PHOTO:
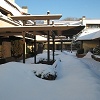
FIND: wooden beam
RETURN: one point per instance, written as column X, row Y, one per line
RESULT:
column 23, row 34
column 61, row 45
column 48, row 41
column 53, row 48
column 37, row 17
column 34, row 28
column 35, row 53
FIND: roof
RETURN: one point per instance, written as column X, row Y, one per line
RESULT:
column 61, row 22
column 10, row 7
column 92, row 21
column 17, row 15
column 20, row 29
column 89, row 34
column 37, row 17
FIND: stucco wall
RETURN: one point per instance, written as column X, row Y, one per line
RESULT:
column 6, row 49
column 87, row 45
column 5, row 23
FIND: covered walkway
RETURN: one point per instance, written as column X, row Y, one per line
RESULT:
column 33, row 30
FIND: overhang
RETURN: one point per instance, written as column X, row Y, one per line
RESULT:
column 31, row 29
column 72, row 31
column 37, row 17
column 90, row 34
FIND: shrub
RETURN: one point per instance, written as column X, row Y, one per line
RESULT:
column 96, row 50
column 17, row 48
column 48, row 74
column 80, row 51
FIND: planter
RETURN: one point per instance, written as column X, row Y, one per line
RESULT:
column 95, row 58
column 80, row 55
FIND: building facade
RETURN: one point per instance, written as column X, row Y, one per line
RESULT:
column 90, row 36
column 11, row 45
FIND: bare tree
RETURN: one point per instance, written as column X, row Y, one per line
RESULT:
column 71, row 19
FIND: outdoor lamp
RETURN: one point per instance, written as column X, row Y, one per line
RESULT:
column 48, row 12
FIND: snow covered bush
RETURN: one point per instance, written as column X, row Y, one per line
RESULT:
column 96, row 50
column 49, row 73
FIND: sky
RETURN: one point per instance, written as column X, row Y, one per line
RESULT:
column 68, row 8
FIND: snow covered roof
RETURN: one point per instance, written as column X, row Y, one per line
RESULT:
column 89, row 34
column 67, row 22
column 11, row 7
column 73, row 22
column 92, row 21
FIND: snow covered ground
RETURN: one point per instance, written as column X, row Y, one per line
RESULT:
column 78, row 79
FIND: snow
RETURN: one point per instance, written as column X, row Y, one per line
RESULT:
column 89, row 34
column 10, row 8
column 40, row 38
column 77, row 79
column 97, row 56
column 88, row 55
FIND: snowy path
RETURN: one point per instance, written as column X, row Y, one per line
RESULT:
column 76, row 81
column 81, row 82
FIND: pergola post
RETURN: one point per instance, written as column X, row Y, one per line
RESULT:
column 99, row 42
column 32, row 47
column 48, row 54
column 71, row 46
column 61, row 44
column 23, row 34
column 48, row 40
column 35, row 49
column 53, row 49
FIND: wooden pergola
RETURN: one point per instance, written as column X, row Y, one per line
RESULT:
column 48, row 17
column 36, row 30
column 22, row 30
column 37, row 17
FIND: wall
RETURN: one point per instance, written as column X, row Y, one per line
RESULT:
column 90, row 44
column 6, row 49
column 4, row 22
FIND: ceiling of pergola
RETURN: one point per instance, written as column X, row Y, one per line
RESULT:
column 30, row 31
